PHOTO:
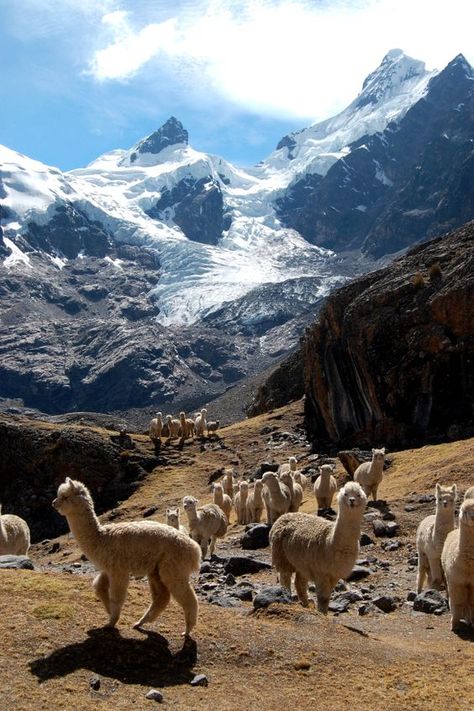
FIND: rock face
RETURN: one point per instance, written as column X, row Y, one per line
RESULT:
column 412, row 181
column 390, row 359
column 171, row 133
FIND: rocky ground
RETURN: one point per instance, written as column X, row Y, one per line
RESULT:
column 378, row 648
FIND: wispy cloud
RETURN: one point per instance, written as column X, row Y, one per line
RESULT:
column 287, row 57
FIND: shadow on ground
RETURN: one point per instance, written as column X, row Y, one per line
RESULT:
column 132, row 661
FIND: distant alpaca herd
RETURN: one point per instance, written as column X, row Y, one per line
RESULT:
column 308, row 546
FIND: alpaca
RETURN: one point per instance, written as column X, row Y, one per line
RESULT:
column 206, row 523
column 255, row 504
column 325, row 487
column 200, row 423
column 222, row 500
column 173, row 427
column 296, row 491
column 14, row 535
column 457, row 560
column 190, row 427
column 118, row 550
column 173, row 519
column 156, row 427
column 319, row 550
column 369, row 474
column 240, row 502
column 469, row 493
column 300, row 478
column 183, row 426
column 212, row 427
column 276, row 495
column 431, row 535
column 228, row 483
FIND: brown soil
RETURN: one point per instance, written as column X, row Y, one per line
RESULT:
column 53, row 642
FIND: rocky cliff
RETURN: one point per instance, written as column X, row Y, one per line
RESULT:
column 390, row 359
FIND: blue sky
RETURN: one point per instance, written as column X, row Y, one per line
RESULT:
column 81, row 77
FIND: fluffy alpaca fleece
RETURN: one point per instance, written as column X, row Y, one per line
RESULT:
column 118, row 550
column 206, row 523
column 173, row 519
column 457, row 560
column 276, row 495
column 255, row 504
column 156, row 427
column 431, row 535
column 200, row 423
column 325, row 487
column 369, row 474
column 296, row 491
column 469, row 493
column 184, row 429
column 319, row 550
column 240, row 502
column 222, row 500
column 14, row 535
column 173, row 427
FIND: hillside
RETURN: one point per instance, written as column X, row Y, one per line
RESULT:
column 54, row 647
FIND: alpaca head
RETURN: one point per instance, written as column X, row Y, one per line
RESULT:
column 326, row 469
column 190, row 503
column 466, row 513
column 217, row 487
column 258, row 485
column 203, row 412
column 172, row 517
column 446, row 496
column 244, row 487
column 378, row 455
column 292, row 462
column 159, row 415
column 168, row 418
column 352, row 497
column 72, row 495
column 269, row 477
column 286, row 478
column 182, row 416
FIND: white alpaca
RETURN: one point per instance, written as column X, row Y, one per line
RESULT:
column 14, row 535
column 319, row 550
column 255, row 503
column 325, row 487
column 228, row 482
column 119, row 550
column 173, row 427
column 190, row 427
column 222, row 500
column 206, row 523
column 183, row 426
column 457, row 560
column 240, row 502
column 200, row 423
column 431, row 535
column 156, row 427
column 296, row 491
column 469, row 493
column 173, row 520
column 297, row 474
column 276, row 495
column 370, row 474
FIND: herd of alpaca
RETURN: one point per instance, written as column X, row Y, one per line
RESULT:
column 308, row 546
column 182, row 428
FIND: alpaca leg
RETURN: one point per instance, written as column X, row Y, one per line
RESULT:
column 213, row 545
column 323, row 594
column 269, row 514
column 160, row 597
column 101, row 587
column 423, row 569
column 185, row 596
column 204, row 543
column 436, row 574
column 301, row 585
column 457, row 603
column 117, row 594
column 285, row 579
column 374, row 492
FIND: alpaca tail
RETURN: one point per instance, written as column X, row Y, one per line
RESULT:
column 277, row 536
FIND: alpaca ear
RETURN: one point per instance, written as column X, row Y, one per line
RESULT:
column 454, row 489
column 373, row 450
column 438, row 487
column 383, row 450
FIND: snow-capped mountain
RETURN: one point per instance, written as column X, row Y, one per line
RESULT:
column 183, row 239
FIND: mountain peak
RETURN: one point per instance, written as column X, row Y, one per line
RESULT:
column 460, row 62
column 395, row 69
column 171, row 133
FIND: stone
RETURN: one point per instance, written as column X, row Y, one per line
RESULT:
column 94, row 682
column 411, row 596
column 256, row 537
column 358, row 572
column 380, row 528
column 391, row 528
column 206, row 567
column 154, row 695
column 240, row 565
column 365, row 540
column 270, row 595
column 244, row 594
column 17, row 562
column 429, row 601
column 200, row 680
column 386, row 603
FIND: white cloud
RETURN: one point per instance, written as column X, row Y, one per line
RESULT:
column 287, row 57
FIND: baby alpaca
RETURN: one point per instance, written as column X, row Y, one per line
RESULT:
column 296, row 491
column 255, row 504
column 276, row 495
column 325, row 487
column 222, row 500
column 240, row 502
column 118, row 550
column 173, row 520
column 200, row 423
column 369, row 474
column 319, row 550
column 457, row 560
column 14, row 535
column 431, row 535
column 206, row 523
